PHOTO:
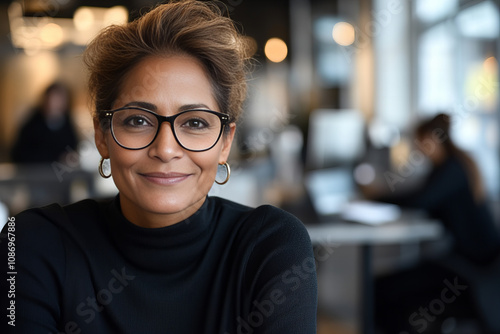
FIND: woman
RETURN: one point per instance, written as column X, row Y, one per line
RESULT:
column 49, row 134
column 162, row 257
column 454, row 194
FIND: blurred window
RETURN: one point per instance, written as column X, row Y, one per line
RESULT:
column 479, row 21
column 457, row 72
column 432, row 10
column 436, row 69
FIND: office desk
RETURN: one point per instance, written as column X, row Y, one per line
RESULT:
column 402, row 231
column 405, row 230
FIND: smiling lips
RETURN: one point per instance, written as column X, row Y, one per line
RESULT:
column 165, row 178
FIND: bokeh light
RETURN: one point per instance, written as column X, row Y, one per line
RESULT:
column 52, row 34
column 343, row 33
column 364, row 174
column 83, row 18
column 276, row 50
column 115, row 15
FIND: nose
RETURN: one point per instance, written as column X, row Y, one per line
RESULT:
column 165, row 147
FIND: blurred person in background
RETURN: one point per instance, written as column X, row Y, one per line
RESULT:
column 49, row 134
column 163, row 256
column 453, row 193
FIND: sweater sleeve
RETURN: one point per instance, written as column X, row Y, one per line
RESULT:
column 444, row 182
column 281, row 276
column 35, row 271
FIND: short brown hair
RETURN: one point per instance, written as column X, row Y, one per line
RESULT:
column 185, row 27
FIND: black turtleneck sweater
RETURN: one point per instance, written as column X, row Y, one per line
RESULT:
column 228, row 269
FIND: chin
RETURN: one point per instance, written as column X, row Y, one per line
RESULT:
column 169, row 204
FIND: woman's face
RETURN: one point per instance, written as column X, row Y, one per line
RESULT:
column 432, row 146
column 163, row 183
column 55, row 104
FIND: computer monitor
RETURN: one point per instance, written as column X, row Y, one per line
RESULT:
column 329, row 190
column 336, row 138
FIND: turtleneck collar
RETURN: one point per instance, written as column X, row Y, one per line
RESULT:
column 168, row 249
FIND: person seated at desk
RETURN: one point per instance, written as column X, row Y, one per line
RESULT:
column 163, row 256
column 49, row 134
column 453, row 194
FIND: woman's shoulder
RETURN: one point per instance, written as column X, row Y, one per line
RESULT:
column 264, row 223
column 274, row 249
column 266, row 214
column 54, row 211
column 50, row 219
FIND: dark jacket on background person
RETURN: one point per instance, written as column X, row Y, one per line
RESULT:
column 38, row 143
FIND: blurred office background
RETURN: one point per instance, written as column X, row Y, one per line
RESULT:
column 337, row 87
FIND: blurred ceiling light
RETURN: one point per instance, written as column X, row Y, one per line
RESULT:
column 276, row 50
column 15, row 10
column 115, row 15
column 35, row 34
column 84, row 18
column 52, row 34
column 343, row 33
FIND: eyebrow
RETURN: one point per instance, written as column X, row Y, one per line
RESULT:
column 145, row 105
column 194, row 106
column 153, row 107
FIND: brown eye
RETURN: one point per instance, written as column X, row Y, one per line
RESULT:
column 136, row 121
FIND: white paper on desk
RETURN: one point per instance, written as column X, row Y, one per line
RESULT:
column 371, row 213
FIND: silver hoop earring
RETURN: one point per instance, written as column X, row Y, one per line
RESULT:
column 228, row 174
column 101, row 170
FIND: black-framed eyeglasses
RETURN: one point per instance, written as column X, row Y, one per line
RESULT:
column 195, row 130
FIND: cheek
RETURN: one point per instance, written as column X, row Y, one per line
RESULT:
column 122, row 160
column 207, row 162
